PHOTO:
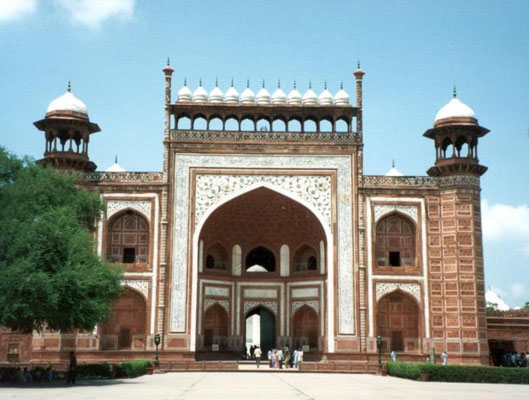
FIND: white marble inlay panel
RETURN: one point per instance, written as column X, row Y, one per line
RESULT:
column 314, row 304
column 383, row 209
column 383, row 288
column 261, row 293
column 216, row 291
column 223, row 303
column 248, row 305
column 342, row 164
column 140, row 285
column 304, row 292
column 210, row 189
column 142, row 206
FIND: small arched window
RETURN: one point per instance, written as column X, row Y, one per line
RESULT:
column 260, row 259
column 128, row 239
column 217, row 258
column 395, row 242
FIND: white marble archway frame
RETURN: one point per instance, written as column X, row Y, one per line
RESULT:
column 227, row 199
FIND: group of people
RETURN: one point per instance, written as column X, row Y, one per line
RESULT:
column 279, row 359
column 515, row 359
column 24, row 375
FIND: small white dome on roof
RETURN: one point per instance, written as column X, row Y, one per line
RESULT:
column 294, row 97
column 325, row 97
column 67, row 102
column 263, row 96
column 257, row 268
column 200, row 94
column 394, row 171
column 310, row 97
column 185, row 94
column 232, row 95
column 247, row 96
column 341, row 97
column 115, row 167
column 216, row 95
column 455, row 108
column 279, row 97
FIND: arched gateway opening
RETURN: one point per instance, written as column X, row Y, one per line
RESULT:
column 260, row 289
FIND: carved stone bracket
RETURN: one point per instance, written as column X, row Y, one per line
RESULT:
column 383, row 288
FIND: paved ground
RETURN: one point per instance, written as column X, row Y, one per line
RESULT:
column 269, row 385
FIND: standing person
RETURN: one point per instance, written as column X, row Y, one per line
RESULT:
column 280, row 358
column 287, row 358
column 274, row 359
column 300, row 357
column 72, row 369
column 257, row 353
column 444, row 357
column 296, row 358
column 393, row 355
column 270, row 365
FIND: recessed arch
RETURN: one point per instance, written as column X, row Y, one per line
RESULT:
column 395, row 241
column 128, row 237
column 305, row 259
column 260, row 256
column 305, row 323
column 399, row 321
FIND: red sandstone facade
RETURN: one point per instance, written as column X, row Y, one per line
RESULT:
column 343, row 257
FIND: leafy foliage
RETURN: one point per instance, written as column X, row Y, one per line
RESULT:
column 51, row 276
column 459, row 373
column 132, row 369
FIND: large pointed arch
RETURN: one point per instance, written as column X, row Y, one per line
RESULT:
column 278, row 190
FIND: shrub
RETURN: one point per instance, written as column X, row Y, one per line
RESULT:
column 93, row 371
column 459, row 373
column 132, row 369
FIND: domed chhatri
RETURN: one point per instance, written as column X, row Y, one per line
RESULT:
column 325, row 97
column 216, row 95
column 341, row 97
column 231, row 95
column 455, row 108
column 200, row 95
column 67, row 103
column 247, row 96
column 310, row 97
column 279, row 97
column 184, row 94
column 263, row 96
column 294, row 97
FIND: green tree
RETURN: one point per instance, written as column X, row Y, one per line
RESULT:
column 50, row 274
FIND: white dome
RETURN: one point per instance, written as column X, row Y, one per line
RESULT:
column 200, row 94
column 185, row 94
column 67, row 102
column 232, row 95
column 216, row 95
column 279, row 97
column 325, row 97
column 247, row 96
column 115, row 168
column 394, row 172
column 341, row 97
column 310, row 97
column 455, row 108
column 263, row 96
column 294, row 97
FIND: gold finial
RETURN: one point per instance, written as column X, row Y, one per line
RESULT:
column 200, row 82
column 294, row 83
column 69, row 88
column 116, row 159
column 185, row 81
column 341, row 85
column 168, row 61
column 216, row 82
column 310, row 84
column 393, row 163
column 454, row 93
column 278, row 83
column 247, row 83
column 325, row 85
column 358, row 64
column 231, row 82
column 263, row 83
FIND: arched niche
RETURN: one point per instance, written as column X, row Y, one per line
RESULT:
column 231, row 124
column 310, row 125
column 398, row 322
column 183, row 122
column 341, row 125
column 326, row 125
column 260, row 257
column 215, row 326
column 305, row 260
column 305, row 323
column 395, row 241
column 216, row 258
column 199, row 123
column 127, row 320
column 128, row 238
column 215, row 124
column 248, row 124
column 279, row 125
column 294, row 125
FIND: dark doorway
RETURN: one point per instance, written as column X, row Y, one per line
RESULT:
column 394, row 258
column 267, row 328
column 263, row 257
column 397, row 343
column 498, row 349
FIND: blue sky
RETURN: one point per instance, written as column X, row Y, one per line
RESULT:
column 413, row 52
